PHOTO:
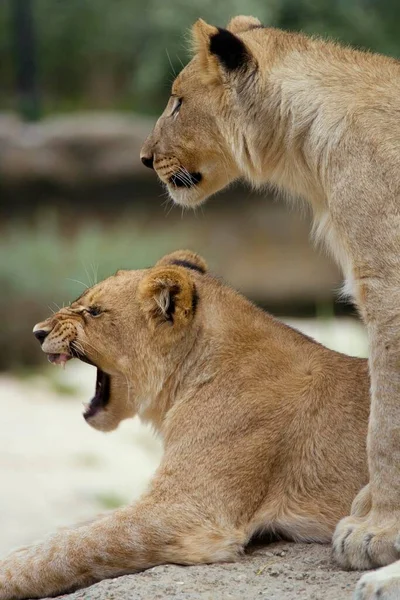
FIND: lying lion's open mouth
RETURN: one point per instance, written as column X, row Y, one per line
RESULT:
column 183, row 178
column 59, row 359
column 101, row 395
column 103, row 380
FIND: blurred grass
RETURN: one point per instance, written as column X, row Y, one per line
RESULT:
column 43, row 267
column 110, row 500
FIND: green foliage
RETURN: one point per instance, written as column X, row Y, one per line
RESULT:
column 122, row 54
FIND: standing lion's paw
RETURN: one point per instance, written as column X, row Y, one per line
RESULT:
column 383, row 584
column 366, row 542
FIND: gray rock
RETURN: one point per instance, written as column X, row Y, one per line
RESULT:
column 72, row 149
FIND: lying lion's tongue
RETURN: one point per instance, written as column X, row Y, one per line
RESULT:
column 58, row 359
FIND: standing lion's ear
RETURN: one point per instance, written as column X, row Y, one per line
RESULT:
column 168, row 295
column 218, row 48
column 242, row 23
column 229, row 49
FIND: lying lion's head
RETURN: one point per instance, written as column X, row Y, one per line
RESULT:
column 134, row 327
column 200, row 142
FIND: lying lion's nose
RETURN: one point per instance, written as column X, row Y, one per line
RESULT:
column 40, row 334
column 147, row 160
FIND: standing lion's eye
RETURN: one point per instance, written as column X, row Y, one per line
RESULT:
column 94, row 311
column 176, row 106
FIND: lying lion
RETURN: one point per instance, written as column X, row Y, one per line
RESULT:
column 264, row 429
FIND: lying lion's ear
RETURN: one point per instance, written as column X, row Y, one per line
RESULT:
column 168, row 295
column 184, row 258
column 217, row 48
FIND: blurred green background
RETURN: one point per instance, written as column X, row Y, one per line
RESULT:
column 102, row 54
column 75, row 202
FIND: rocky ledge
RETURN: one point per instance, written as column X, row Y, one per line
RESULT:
column 279, row 571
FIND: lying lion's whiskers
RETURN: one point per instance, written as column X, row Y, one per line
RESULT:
column 95, row 269
column 77, row 281
column 129, row 390
column 76, row 345
column 91, row 283
column 85, row 343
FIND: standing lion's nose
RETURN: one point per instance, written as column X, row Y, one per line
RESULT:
column 147, row 160
column 40, row 334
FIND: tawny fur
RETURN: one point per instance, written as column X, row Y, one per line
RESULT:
column 321, row 122
column 263, row 428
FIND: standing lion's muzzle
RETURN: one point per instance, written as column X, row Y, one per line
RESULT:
column 148, row 161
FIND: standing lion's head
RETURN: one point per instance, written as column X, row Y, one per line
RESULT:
column 198, row 145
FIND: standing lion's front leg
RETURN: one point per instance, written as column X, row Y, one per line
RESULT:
column 368, row 537
column 364, row 208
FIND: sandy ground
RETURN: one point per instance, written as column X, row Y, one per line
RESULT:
column 279, row 571
column 55, row 471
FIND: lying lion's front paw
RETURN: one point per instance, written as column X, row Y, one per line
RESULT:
column 5, row 588
column 366, row 542
column 14, row 573
column 383, row 584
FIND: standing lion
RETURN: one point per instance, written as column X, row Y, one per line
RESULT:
column 321, row 122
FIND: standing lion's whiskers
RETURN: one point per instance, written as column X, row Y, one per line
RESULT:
column 170, row 62
column 171, row 203
column 185, row 174
column 168, row 201
column 181, row 176
column 183, row 66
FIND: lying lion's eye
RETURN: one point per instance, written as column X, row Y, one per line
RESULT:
column 94, row 311
column 176, row 106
